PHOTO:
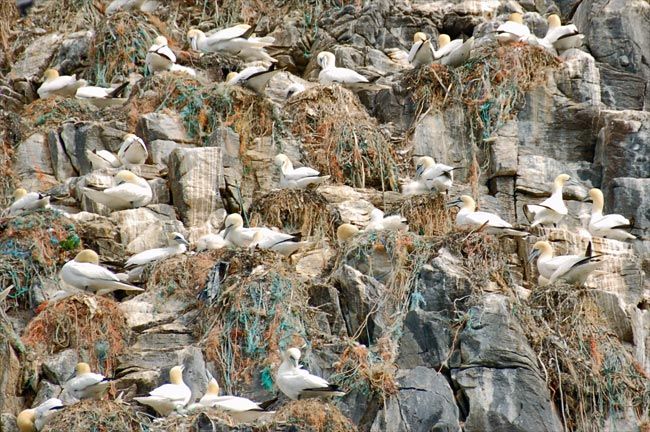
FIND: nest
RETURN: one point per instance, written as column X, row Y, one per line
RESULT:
column 314, row 416
column 426, row 214
column 306, row 211
column 32, row 247
column 589, row 371
column 94, row 326
column 93, row 415
column 341, row 139
column 67, row 15
column 10, row 124
column 181, row 275
column 47, row 114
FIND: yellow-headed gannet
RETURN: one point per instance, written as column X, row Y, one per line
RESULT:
column 168, row 397
column 55, row 84
column 255, row 78
column 296, row 178
column 611, row 226
column 130, row 191
column 421, row 53
column 176, row 245
column 133, row 151
column 562, row 37
column 244, row 237
column 467, row 216
column 331, row 74
column 571, row 268
column 34, row 419
column 437, row 177
column 380, row 222
column 552, row 209
column 86, row 384
column 236, row 40
column 212, row 242
column 297, row 383
column 240, row 409
column 346, row 231
column 84, row 272
column 453, row 53
column 513, row 30
column 160, row 57
column 102, row 97
column 25, row 201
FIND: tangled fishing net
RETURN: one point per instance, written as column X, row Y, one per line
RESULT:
column 94, row 415
column 312, row 415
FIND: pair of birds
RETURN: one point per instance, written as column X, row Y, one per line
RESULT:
column 133, row 151
column 291, row 378
column 450, row 53
column 69, row 86
column 558, row 38
column 430, row 177
column 161, row 58
column 236, row 234
column 378, row 222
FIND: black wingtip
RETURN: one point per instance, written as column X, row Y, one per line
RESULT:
column 266, row 404
column 117, row 91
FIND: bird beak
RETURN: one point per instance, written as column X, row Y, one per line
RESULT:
column 182, row 368
column 228, row 228
column 193, row 43
column 534, row 253
column 454, row 203
column 588, row 199
column 419, row 170
column 185, row 242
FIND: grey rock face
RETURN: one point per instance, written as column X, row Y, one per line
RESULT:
column 628, row 196
column 8, row 423
column 33, row 163
column 442, row 283
column 61, row 163
column 60, row 367
column 426, row 340
column 34, row 61
column 73, row 52
column 159, row 126
column 622, row 90
column 160, row 150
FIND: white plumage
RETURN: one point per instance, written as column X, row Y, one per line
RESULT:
column 85, row 273
column 255, row 78
column 234, row 40
column 176, row 245
column 212, row 242
column 453, row 53
column 571, row 268
column 421, row 53
column 34, row 419
column 437, row 177
column 101, row 159
column 331, row 74
column 380, row 222
column 513, row 30
column 133, row 151
column 608, row 226
column 130, row 191
column 561, row 37
column 297, row 383
column 296, row 178
column 272, row 242
column 159, row 56
column 25, row 201
column 62, row 85
column 552, row 209
column 265, row 238
column 168, row 397
column 239, row 408
column 467, row 216
column 102, row 97
column 86, row 384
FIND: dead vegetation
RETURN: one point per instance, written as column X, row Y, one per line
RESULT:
column 43, row 115
column 182, row 276
column 92, row 415
column 341, row 139
column 67, row 15
column 92, row 325
column 426, row 215
column 314, row 416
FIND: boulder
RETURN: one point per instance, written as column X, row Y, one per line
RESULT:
column 10, row 379
column 33, row 163
column 159, row 150
column 622, row 90
column 61, row 163
column 160, row 126
column 36, row 58
column 444, row 285
column 73, row 52
column 60, row 367
column 143, row 228
column 426, row 340
column 629, row 197
column 578, row 78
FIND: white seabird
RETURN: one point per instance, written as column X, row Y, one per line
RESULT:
column 297, row 383
column 86, row 384
column 34, row 419
column 133, row 151
column 513, row 30
column 345, row 232
column 437, row 177
column 239, row 408
column 331, row 74
column 168, row 397
column 101, row 159
column 176, row 245
column 552, row 209
column 611, row 226
column 159, row 56
column 62, row 85
column 294, row 89
column 236, row 40
column 453, row 53
column 296, row 178
column 130, row 191
column 561, row 37
column 285, row 247
column 25, row 201
column 244, row 237
column 380, row 222
column 467, row 216
column 255, row 78
column 421, row 53
column 212, row 242
column 85, row 273
column 571, row 268
column 102, row 97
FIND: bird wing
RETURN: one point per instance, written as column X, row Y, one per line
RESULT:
column 100, row 197
column 92, row 92
column 258, row 81
column 414, row 49
column 57, row 84
column 491, row 219
column 147, row 256
column 552, row 35
column 172, row 392
column 611, row 221
column 49, row 404
column 82, row 382
column 340, row 75
column 228, row 33
column 554, row 203
column 514, row 28
column 163, row 51
column 127, row 192
column 569, row 263
column 236, row 404
column 448, row 49
column 300, row 173
column 91, row 271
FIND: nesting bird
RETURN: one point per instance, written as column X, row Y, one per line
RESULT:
column 421, row 53
column 298, row 383
column 237, row 40
column 611, row 226
column 265, row 238
column 562, row 37
column 34, row 419
column 467, row 216
column 296, row 178
column 331, row 74
column 101, row 159
column 85, row 273
column 25, row 201
column 176, row 245
column 159, row 56
column 86, row 384
column 102, row 97
column 132, row 151
column 513, row 30
column 437, row 177
column 212, row 242
column 571, row 268
column 168, row 397
column 552, row 209
column 276, row 242
column 130, row 191
column 380, row 222
column 345, row 232
column 240, row 409
column 453, row 53
column 61, row 85
column 255, row 78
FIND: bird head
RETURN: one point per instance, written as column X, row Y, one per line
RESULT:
column 87, row 256
column 423, row 163
column 233, row 220
column 193, row 36
column 326, row 59
column 468, row 202
column 443, row 40
column 293, row 355
column 280, row 159
column 231, row 76
column 160, row 40
column 25, row 420
column 420, row 37
column 561, row 179
column 213, row 387
column 19, row 193
column 176, row 374
column 540, row 248
column 346, row 231
column 82, row 368
column 516, row 17
column 177, row 237
column 125, row 176
column 554, row 21
column 50, row 74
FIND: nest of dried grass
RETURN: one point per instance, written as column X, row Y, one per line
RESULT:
column 312, row 415
column 426, row 214
column 9, row 137
column 490, row 86
column 32, row 247
column 92, row 415
column 181, row 275
column 46, row 114
column 590, row 373
column 290, row 210
column 205, row 419
column 8, row 17
column 94, row 326
column 341, row 139
column 67, row 15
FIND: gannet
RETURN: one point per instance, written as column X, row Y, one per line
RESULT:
column 561, row 37
column 240, row 409
column 421, row 53
column 297, row 383
column 102, row 97
column 284, row 247
column 34, row 419
column 255, row 78
column 85, row 273
column 296, row 178
column 54, row 84
column 437, row 177
column 571, row 268
column 294, row 89
column 101, row 159
column 552, row 209
column 243, row 237
column 182, row 69
column 513, row 30
column 25, row 201
column 467, row 216
column 453, row 53
column 611, row 226
column 160, row 57
column 86, row 384
column 133, row 151
column 176, row 245
column 130, row 191
column 378, row 222
column 168, row 397
column 234, row 40
column 331, row 74
column 345, row 232
column 212, row 242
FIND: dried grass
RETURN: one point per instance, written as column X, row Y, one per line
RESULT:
column 314, row 416
column 181, row 275
column 341, row 139
column 290, row 210
column 92, row 415
column 8, row 17
column 94, row 326
column 43, row 115
column 426, row 214
column 10, row 136
column 68, row 15
column 365, row 371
